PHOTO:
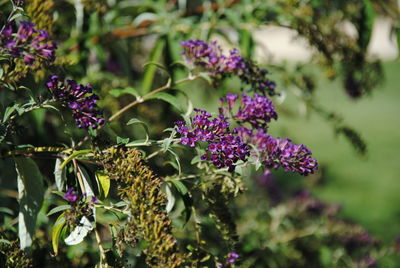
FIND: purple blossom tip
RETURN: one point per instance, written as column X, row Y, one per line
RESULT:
column 232, row 257
column 279, row 152
column 209, row 56
column 70, row 195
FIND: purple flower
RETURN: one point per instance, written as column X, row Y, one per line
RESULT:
column 280, row 152
column 79, row 99
column 209, row 56
column 94, row 200
column 257, row 111
column 27, row 43
column 70, row 195
column 232, row 257
column 224, row 147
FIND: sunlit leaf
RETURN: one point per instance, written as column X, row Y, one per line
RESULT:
column 60, row 175
column 30, row 196
column 104, row 183
column 58, row 209
column 55, row 234
column 80, row 232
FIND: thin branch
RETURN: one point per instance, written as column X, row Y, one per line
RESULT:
column 140, row 100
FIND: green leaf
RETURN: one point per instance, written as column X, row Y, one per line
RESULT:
column 140, row 143
column 171, row 99
column 121, row 140
column 30, row 196
column 246, row 43
column 176, row 159
column 186, row 198
column 60, row 175
column 4, row 241
column 86, row 181
column 74, row 155
column 58, row 209
column 119, row 91
column 9, row 111
column 156, row 64
column 366, row 24
column 151, row 70
column 55, row 235
column 80, row 231
column 207, row 77
column 179, row 186
column 137, row 121
column 104, row 183
column 170, row 198
column 195, row 160
column 6, row 210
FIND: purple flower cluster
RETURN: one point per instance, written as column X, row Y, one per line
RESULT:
column 27, row 43
column 70, row 195
column 79, row 99
column 280, row 152
column 257, row 111
column 210, row 57
column 224, row 148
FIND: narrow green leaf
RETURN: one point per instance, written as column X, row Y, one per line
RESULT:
column 86, row 181
column 30, row 196
column 104, row 182
column 4, row 241
column 137, row 121
column 60, row 175
column 149, row 74
column 80, row 231
column 246, row 43
column 6, row 210
column 74, row 155
column 366, row 24
column 179, row 186
column 170, row 198
column 176, row 159
column 55, row 235
column 207, row 77
column 117, row 92
column 171, row 99
column 121, row 140
column 58, row 209
column 9, row 111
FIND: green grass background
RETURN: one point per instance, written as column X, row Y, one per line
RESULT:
column 369, row 187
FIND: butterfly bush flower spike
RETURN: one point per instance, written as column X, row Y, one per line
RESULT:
column 224, row 147
column 280, row 152
column 210, row 57
column 79, row 99
column 257, row 111
column 27, row 42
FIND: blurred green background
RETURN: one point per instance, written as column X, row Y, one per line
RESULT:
column 368, row 187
